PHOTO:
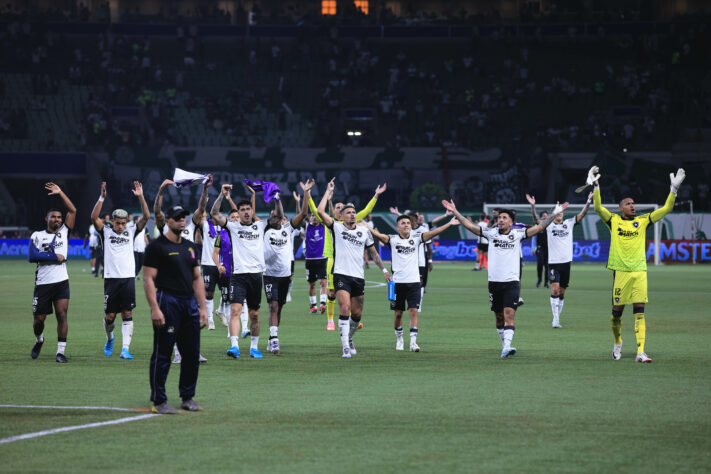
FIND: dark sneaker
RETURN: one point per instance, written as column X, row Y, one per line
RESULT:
column 36, row 349
column 164, row 409
column 190, row 405
column 61, row 358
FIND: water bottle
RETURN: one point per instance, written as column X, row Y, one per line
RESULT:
column 391, row 290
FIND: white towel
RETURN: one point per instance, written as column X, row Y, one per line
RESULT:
column 183, row 178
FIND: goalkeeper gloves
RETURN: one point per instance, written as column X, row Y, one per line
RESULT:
column 593, row 175
column 677, row 180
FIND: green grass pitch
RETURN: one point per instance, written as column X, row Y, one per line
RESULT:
column 561, row 404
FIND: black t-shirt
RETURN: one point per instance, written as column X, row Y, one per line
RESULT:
column 174, row 262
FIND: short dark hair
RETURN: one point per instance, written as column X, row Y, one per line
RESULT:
column 401, row 217
column 510, row 212
column 54, row 209
column 244, row 202
column 232, row 211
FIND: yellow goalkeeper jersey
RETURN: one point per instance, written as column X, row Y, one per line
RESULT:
column 628, row 237
column 328, row 244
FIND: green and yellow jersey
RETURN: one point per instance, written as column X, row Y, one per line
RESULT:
column 360, row 215
column 628, row 236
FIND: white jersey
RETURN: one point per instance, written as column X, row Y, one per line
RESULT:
column 504, row 254
column 295, row 233
column 51, row 272
column 139, row 242
column 483, row 225
column 247, row 246
column 188, row 232
column 118, row 252
column 278, row 251
column 422, row 254
column 93, row 237
column 348, row 247
column 208, row 244
column 404, row 261
column 560, row 241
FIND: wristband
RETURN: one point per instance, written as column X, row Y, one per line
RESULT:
column 101, row 198
column 385, row 270
column 589, row 201
column 429, row 261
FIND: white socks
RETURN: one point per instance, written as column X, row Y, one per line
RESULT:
column 508, row 335
column 413, row 335
column 244, row 317
column 398, row 333
column 312, row 300
column 345, row 330
column 273, row 331
column 175, row 348
column 422, row 296
column 560, row 305
column 127, row 333
column 234, row 340
column 109, row 328
column 353, row 325
column 40, row 338
column 210, row 307
column 554, row 307
column 323, row 299
column 60, row 347
column 501, row 334
column 253, row 342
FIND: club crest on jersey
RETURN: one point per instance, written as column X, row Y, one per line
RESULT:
column 254, row 226
column 617, row 300
column 359, row 234
column 411, row 242
column 511, row 237
column 635, row 224
column 283, row 233
column 565, row 226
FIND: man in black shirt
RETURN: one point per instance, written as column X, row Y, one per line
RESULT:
column 176, row 296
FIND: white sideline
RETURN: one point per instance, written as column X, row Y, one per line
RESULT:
column 59, row 407
column 72, row 428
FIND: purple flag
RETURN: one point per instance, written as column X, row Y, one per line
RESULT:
column 271, row 190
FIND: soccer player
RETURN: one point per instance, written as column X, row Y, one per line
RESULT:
column 504, row 266
column 51, row 277
column 119, row 268
column 247, row 236
column 139, row 246
column 560, row 256
column 404, row 249
column 328, row 246
column 316, row 263
column 539, row 245
column 278, row 252
column 349, row 240
column 482, row 247
column 628, row 260
column 176, row 296
column 222, row 259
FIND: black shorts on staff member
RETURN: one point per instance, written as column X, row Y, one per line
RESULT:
column 172, row 269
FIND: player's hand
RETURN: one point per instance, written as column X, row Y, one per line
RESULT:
column 221, row 269
column 208, row 183
column 559, row 208
column 103, row 189
column 533, row 251
column 296, row 196
column 331, row 184
column 226, row 188
column 381, row 189
column 308, row 185
column 203, row 317
column 678, row 179
column 393, row 210
column 137, row 189
column 531, row 200
column 449, row 205
column 166, row 183
column 251, row 190
column 157, row 318
column 52, row 188
column 61, row 258
column 593, row 175
column 454, row 221
column 387, row 275
column 430, row 267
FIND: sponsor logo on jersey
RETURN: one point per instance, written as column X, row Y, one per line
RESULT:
column 352, row 239
column 246, row 234
column 627, row 233
column 405, row 250
column 118, row 240
column 559, row 233
column 503, row 244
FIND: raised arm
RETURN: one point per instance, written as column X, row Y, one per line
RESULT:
column 676, row 181
column 580, row 216
column 158, row 203
column 146, row 214
column 323, row 217
column 394, row 210
column 469, row 225
column 215, row 213
column 299, row 218
column 232, row 204
column 199, row 213
column 532, row 201
column 275, row 220
column 95, row 219
column 313, row 208
column 71, row 217
column 536, row 229
column 384, row 238
column 438, row 230
column 371, row 204
column 253, row 200
column 439, row 218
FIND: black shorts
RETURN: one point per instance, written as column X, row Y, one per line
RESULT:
column 482, row 247
column 406, row 292
column 119, row 294
column 504, row 294
column 276, row 288
column 223, row 283
column 354, row 286
column 316, row 269
column 210, row 275
column 138, row 257
column 246, row 286
column 292, row 267
column 423, row 275
column 559, row 273
column 96, row 252
column 45, row 295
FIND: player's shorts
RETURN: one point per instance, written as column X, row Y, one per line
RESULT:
column 45, row 295
column 423, row 275
column 406, row 293
column 482, row 247
column 223, row 283
column 246, row 286
column 329, row 273
column 354, row 286
column 210, row 275
column 95, row 252
column 629, row 288
column 316, row 269
column 138, row 258
column 119, row 294
column 504, row 294
column 559, row 273
column 276, row 288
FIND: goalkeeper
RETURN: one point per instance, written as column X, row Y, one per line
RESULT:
column 628, row 259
